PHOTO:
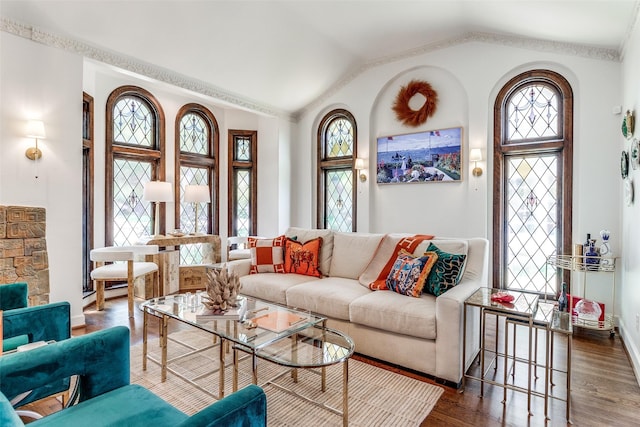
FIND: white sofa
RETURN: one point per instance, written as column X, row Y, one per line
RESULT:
column 423, row 334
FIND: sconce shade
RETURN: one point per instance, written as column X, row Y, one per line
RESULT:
column 157, row 191
column 475, row 155
column 359, row 164
column 197, row 194
column 35, row 129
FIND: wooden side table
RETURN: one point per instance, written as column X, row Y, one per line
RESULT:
column 168, row 260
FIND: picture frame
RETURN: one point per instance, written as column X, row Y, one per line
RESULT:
column 420, row 157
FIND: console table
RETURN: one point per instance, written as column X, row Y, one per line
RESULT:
column 168, row 260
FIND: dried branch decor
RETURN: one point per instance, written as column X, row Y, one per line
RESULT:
column 222, row 290
column 403, row 111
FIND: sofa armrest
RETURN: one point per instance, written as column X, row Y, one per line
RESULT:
column 13, row 295
column 101, row 359
column 240, row 266
column 449, row 334
column 40, row 323
column 245, row 407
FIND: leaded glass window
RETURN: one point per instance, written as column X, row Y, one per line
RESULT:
column 336, row 174
column 132, row 122
column 196, row 142
column 194, row 134
column 132, row 216
column 533, row 191
column 339, row 138
column 134, row 156
column 192, row 254
column 243, row 183
column 532, row 113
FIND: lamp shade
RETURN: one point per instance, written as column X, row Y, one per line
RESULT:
column 157, row 191
column 359, row 164
column 197, row 194
column 475, row 155
column 35, row 129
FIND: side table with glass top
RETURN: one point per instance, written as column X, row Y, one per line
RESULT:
column 526, row 310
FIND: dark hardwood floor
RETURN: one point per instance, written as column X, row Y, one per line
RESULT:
column 605, row 391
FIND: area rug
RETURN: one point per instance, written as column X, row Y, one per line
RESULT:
column 377, row 397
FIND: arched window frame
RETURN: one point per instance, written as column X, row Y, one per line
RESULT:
column 154, row 154
column 208, row 161
column 327, row 164
column 563, row 143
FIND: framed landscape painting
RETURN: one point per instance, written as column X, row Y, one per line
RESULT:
column 430, row 156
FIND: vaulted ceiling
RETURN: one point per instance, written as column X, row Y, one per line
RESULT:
column 283, row 55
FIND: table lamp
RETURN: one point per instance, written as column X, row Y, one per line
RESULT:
column 197, row 194
column 157, row 192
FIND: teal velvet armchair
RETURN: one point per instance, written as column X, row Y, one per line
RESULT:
column 106, row 398
column 22, row 325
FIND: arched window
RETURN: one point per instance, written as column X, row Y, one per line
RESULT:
column 337, row 137
column 533, row 152
column 134, row 156
column 196, row 136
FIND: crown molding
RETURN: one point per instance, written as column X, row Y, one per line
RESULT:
column 573, row 49
column 136, row 66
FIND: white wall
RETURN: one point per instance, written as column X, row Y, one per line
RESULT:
column 630, row 289
column 45, row 84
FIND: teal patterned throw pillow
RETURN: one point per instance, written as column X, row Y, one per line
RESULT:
column 446, row 273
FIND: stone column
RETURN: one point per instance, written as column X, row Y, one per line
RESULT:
column 23, row 250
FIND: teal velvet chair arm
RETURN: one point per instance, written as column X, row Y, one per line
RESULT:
column 14, row 295
column 39, row 323
column 245, row 407
column 101, row 359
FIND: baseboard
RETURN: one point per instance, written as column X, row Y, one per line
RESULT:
column 632, row 350
column 77, row 321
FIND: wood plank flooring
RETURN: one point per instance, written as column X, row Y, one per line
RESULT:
column 605, row 391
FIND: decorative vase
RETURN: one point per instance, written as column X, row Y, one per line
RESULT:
column 606, row 256
column 562, row 298
column 591, row 257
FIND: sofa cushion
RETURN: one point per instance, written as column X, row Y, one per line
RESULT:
column 447, row 271
column 271, row 286
column 131, row 405
column 378, row 268
column 303, row 258
column 326, row 251
column 352, row 252
column 409, row 273
column 390, row 311
column 330, row 296
column 267, row 255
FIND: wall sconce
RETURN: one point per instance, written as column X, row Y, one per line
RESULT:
column 197, row 194
column 475, row 156
column 35, row 129
column 157, row 192
column 360, row 167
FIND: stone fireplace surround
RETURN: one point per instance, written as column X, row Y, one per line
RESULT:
column 23, row 250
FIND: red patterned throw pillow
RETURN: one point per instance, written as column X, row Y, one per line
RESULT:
column 267, row 255
column 303, row 258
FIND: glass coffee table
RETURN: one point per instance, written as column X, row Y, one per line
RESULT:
column 288, row 337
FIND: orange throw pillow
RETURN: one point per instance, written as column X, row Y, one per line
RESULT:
column 267, row 255
column 303, row 258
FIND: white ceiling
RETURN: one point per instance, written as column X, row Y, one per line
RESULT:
column 286, row 54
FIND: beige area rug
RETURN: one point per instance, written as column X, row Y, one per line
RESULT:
column 377, row 397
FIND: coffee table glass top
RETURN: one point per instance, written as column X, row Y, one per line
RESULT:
column 262, row 324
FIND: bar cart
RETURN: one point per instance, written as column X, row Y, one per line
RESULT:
column 580, row 264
